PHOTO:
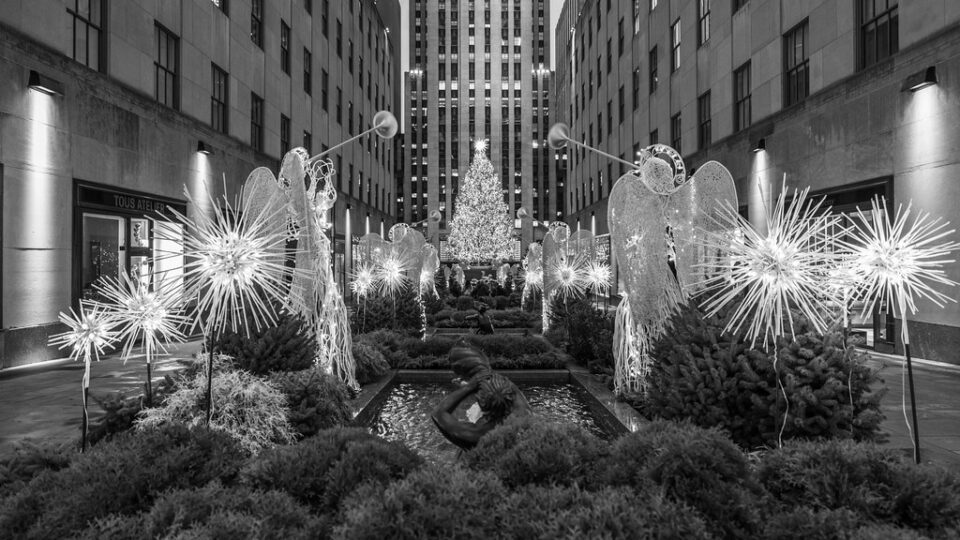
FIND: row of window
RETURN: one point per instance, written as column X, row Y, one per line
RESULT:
column 878, row 38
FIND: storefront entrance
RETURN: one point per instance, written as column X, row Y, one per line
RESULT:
column 118, row 231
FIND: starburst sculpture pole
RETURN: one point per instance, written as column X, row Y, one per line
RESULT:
column 89, row 333
column 235, row 267
column 151, row 316
column 765, row 275
column 900, row 261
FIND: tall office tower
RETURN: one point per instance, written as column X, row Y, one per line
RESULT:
column 479, row 70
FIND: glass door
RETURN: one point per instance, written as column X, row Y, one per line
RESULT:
column 103, row 250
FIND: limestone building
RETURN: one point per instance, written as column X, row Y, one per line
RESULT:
column 109, row 108
column 831, row 94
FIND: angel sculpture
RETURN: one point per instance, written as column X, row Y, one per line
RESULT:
column 554, row 252
column 657, row 216
column 532, row 272
column 305, row 189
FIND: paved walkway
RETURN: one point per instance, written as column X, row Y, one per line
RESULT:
column 44, row 403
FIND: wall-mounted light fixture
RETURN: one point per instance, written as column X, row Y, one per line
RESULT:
column 204, row 148
column 760, row 145
column 921, row 79
column 42, row 83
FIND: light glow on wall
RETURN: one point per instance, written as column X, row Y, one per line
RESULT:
column 760, row 191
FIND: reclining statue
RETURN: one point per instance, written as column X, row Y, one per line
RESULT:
column 497, row 397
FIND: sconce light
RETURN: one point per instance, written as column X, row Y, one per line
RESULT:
column 760, row 145
column 42, row 83
column 204, row 148
column 921, row 79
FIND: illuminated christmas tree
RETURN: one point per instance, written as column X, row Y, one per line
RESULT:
column 481, row 229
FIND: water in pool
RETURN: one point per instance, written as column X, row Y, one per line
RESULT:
column 405, row 415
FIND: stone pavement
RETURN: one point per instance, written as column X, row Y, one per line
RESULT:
column 44, row 403
column 938, row 409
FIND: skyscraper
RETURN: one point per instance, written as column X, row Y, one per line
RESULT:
column 479, row 70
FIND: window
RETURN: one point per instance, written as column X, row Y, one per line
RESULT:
column 256, row 122
column 796, row 78
column 620, row 103
column 218, row 100
column 87, row 32
column 620, row 37
column 737, row 4
column 653, row 5
column 675, row 132
column 324, row 16
column 675, row 46
column 339, row 106
column 609, row 55
column 308, row 142
column 339, row 39
column 741, row 97
column 654, row 137
column 324, row 82
column 307, row 72
column 166, row 67
column 879, row 29
column 256, row 22
column 653, row 74
column 308, row 6
column 350, row 55
column 703, row 28
column 284, row 134
column 703, row 121
column 636, row 17
column 221, row 4
column 284, row 47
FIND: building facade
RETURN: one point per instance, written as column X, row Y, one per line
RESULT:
column 479, row 70
column 821, row 94
column 110, row 109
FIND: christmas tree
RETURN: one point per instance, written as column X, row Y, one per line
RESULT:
column 481, row 229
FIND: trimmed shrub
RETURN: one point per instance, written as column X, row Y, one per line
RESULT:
column 381, row 311
column 572, row 513
column 465, row 303
column 121, row 476
column 695, row 466
column 315, row 400
column 28, row 460
column 804, row 523
column 529, row 450
column 875, row 483
column 714, row 379
column 288, row 346
column 225, row 512
column 321, row 470
column 434, row 502
column 249, row 409
column 370, row 363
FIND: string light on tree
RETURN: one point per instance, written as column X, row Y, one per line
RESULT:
column 481, row 228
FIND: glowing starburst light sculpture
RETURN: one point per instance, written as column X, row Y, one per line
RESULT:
column 391, row 274
column 598, row 277
column 151, row 316
column 89, row 333
column 364, row 280
column 569, row 275
column 773, row 272
column 899, row 262
column 235, row 265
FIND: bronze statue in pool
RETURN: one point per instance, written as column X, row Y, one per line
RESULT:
column 497, row 397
